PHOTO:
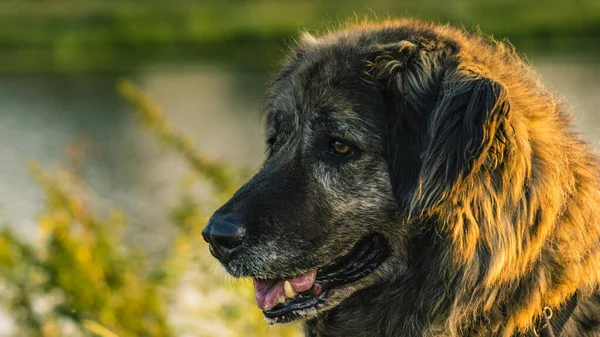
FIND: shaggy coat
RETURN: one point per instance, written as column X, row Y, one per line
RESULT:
column 465, row 161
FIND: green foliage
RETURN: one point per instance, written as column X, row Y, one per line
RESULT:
column 81, row 269
column 71, row 35
column 83, row 278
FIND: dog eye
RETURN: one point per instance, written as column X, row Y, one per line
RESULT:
column 339, row 148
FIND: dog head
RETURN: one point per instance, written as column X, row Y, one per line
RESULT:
column 370, row 130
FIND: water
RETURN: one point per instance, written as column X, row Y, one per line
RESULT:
column 81, row 123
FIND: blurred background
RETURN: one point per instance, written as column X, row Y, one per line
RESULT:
column 118, row 119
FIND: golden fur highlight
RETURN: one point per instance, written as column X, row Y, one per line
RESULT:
column 530, row 202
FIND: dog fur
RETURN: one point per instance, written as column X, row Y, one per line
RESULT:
column 464, row 161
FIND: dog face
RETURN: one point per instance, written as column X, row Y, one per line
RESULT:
column 323, row 199
column 350, row 157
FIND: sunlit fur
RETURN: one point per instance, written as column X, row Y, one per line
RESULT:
column 497, row 199
column 514, row 191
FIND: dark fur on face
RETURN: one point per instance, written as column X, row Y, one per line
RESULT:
column 460, row 158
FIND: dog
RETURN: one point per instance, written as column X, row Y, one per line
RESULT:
column 419, row 181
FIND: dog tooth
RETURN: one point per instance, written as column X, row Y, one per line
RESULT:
column 281, row 299
column 288, row 290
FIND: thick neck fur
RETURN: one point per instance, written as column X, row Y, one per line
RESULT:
column 366, row 315
column 420, row 303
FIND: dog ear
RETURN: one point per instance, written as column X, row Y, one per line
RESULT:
column 444, row 117
column 466, row 133
column 409, row 74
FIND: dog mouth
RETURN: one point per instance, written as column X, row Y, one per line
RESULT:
column 289, row 299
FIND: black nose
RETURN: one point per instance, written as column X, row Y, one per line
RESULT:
column 225, row 234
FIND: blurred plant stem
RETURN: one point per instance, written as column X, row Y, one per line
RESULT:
column 153, row 118
column 83, row 278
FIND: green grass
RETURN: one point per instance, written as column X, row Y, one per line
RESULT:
column 70, row 35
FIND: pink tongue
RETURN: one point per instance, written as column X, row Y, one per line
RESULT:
column 267, row 292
